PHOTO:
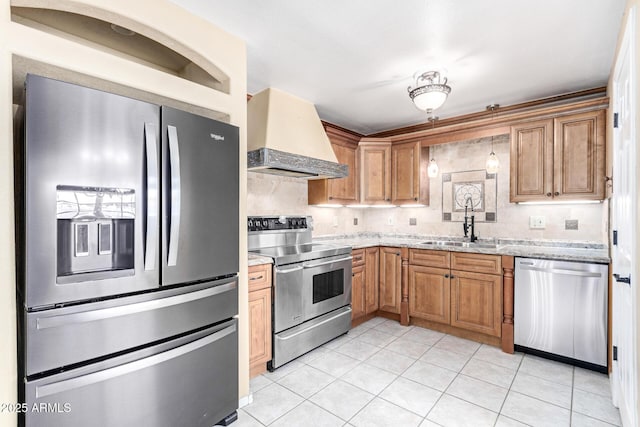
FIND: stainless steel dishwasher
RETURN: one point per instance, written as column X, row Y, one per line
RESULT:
column 560, row 308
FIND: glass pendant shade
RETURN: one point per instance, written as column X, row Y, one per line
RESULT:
column 429, row 100
column 432, row 170
column 493, row 164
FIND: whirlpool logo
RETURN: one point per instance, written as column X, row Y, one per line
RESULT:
column 216, row 137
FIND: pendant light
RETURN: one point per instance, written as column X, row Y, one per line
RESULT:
column 432, row 170
column 493, row 164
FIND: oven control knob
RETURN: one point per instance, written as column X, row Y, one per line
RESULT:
column 265, row 223
column 303, row 222
column 250, row 223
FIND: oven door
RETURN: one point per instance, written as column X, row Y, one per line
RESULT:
column 327, row 285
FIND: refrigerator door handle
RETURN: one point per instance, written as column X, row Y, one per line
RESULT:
column 152, row 197
column 174, row 162
column 127, row 368
column 136, row 308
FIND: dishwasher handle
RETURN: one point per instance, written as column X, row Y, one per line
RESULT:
column 567, row 271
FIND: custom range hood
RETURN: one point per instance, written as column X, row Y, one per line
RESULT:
column 285, row 137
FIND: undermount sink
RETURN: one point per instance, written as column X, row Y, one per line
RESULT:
column 460, row 244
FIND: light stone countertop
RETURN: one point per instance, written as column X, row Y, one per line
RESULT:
column 558, row 250
column 255, row 259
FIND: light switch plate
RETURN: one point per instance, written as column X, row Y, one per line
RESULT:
column 537, row 222
column 355, row 221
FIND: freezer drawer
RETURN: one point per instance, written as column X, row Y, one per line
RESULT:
column 191, row 381
column 560, row 308
column 69, row 335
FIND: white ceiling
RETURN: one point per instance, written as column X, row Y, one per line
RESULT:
column 354, row 59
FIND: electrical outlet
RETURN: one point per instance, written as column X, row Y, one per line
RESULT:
column 413, row 221
column 390, row 221
column 355, row 221
column 537, row 222
column 571, row 224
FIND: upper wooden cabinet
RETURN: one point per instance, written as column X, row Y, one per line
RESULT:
column 558, row 159
column 374, row 162
column 342, row 191
column 409, row 179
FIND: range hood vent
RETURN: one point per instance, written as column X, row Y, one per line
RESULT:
column 285, row 137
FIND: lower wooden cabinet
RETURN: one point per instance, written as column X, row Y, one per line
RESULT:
column 429, row 290
column 390, row 279
column 372, row 278
column 463, row 290
column 364, row 283
column 357, row 292
column 476, row 302
column 259, row 318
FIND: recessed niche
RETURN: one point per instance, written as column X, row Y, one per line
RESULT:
column 124, row 42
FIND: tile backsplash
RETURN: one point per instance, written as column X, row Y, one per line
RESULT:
column 276, row 195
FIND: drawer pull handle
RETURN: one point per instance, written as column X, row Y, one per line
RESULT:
column 446, row 276
column 257, row 278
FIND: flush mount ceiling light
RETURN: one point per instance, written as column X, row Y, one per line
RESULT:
column 493, row 164
column 430, row 92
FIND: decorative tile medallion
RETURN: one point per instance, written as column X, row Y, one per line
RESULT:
column 476, row 189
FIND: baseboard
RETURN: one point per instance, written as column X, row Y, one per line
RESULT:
column 245, row 400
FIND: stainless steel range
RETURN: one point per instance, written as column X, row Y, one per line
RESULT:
column 311, row 285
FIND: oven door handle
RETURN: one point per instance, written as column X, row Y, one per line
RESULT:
column 309, row 265
column 288, row 270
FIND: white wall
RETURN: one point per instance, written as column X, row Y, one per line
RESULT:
column 269, row 195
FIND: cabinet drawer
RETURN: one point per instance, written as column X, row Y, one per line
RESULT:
column 477, row 263
column 259, row 277
column 358, row 257
column 429, row 258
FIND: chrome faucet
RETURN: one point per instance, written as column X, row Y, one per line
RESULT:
column 468, row 202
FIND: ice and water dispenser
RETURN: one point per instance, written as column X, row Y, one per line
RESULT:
column 95, row 236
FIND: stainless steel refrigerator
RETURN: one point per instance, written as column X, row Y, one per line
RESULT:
column 127, row 237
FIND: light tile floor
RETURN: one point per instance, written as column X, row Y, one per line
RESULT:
column 384, row 374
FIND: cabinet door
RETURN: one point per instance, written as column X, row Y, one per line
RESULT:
column 579, row 156
column 405, row 173
column 531, row 161
column 372, row 278
column 344, row 190
column 259, row 329
column 476, row 302
column 338, row 190
column 357, row 292
column 390, row 277
column 375, row 176
column 429, row 290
